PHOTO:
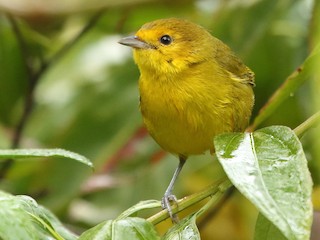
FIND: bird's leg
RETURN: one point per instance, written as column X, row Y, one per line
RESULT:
column 168, row 196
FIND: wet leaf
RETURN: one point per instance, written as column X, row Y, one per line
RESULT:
column 269, row 167
column 185, row 229
column 128, row 228
column 28, row 153
column 265, row 230
column 22, row 216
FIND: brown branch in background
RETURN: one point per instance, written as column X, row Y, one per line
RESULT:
column 123, row 19
column 60, row 53
column 23, row 45
column 34, row 75
column 32, row 81
column 29, row 96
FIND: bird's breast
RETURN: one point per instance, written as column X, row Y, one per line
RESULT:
column 183, row 118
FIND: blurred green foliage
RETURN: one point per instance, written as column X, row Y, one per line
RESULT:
column 86, row 100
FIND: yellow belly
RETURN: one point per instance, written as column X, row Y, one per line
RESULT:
column 183, row 117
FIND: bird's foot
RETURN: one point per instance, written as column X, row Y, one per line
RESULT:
column 166, row 201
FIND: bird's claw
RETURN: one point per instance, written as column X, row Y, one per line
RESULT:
column 165, row 203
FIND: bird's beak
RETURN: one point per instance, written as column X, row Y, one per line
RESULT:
column 135, row 42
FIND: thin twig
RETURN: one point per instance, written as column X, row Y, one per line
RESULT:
column 213, row 211
column 289, row 86
column 123, row 19
column 32, row 80
column 34, row 75
column 307, row 124
column 22, row 44
column 217, row 188
column 61, row 52
column 28, row 103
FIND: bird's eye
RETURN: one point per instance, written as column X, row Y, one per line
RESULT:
column 166, row 39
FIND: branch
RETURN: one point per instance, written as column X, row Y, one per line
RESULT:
column 216, row 191
column 306, row 125
column 29, row 98
column 291, row 84
column 34, row 75
column 61, row 52
column 213, row 211
column 31, row 80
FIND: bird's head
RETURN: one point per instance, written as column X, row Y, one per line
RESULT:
column 169, row 45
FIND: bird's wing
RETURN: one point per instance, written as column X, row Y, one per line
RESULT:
column 237, row 69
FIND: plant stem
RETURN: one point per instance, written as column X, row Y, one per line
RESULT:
column 34, row 76
column 32, row 81
column 61, row 52
column 217, row 206
column 307, row 124
column 289, row 87
column 216, row 190
column 29, row 96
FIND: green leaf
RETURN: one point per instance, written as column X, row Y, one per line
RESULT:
column 22, row 218
column 269, row 167
column 140, row 206
column 28, row 153
column 265, row 230
column 128, row 228
column 185, row 229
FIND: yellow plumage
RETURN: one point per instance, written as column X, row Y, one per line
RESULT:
column 188, row 95
column 192, row 87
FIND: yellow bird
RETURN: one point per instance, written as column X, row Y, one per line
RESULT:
column 192, row 88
